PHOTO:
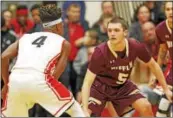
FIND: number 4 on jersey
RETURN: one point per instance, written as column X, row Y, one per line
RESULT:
column 39, row 41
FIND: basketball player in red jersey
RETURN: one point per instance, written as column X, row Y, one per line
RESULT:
column 41, row 59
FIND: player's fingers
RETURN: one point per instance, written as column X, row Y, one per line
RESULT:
column 170, row 99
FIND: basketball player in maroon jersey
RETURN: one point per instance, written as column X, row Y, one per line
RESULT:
column 107, row 77
column 164, row 36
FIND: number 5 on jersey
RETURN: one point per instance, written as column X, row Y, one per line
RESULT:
column 122, row 78
column 39, row 41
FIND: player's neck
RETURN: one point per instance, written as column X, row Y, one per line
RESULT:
column 47, row 30
column 120, row 46
column 170, row 24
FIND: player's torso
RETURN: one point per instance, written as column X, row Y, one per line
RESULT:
column 165, row 35
column 38, row 51
column 117, row 70
column 169, row 42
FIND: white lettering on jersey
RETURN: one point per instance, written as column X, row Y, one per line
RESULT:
column 169, row 43
column 124, row 68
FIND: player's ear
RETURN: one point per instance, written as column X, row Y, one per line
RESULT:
column 59, row 26
column 126, row 33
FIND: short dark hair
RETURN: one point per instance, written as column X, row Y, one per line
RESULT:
column 49, row 3
column 35, row 6
column 119, row 20
column 19, row 7
column 49, row 13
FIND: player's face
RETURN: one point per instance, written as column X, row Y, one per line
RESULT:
column 144, row 14
column 168, row 11
column 35, row 15
column 115, row 32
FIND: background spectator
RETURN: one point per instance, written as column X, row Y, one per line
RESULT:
column 150, row 38
column 82, row 73
column 89, row 41
column 141, row 16
column 7, row 15
column 143, row 74
column 101, row 27
column 73, row 31
column 21, row 24
column 12, row 8
column 157, row 14
column 7, row 36
column 36, row 18
column 108, row 12
column 108, row 8
column 83, row 22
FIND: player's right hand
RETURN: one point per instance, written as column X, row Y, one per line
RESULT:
column 169, row 95
column 4, row 91
column 152, row 83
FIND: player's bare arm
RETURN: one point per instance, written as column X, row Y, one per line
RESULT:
column 162, row 54
column 8, row 54
column 156, row 70
column 62, row 61
column 88, row 80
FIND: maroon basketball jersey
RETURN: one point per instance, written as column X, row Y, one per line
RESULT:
column 164, row 36
column 113, row 70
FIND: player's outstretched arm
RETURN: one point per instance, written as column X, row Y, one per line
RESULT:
column 89, row 79
column 162, row 54
column 8, row 54
column 62, row 61
column 156, row 70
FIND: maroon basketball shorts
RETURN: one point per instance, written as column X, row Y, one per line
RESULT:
column 121, row 97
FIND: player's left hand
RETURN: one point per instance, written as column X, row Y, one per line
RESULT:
column 4, row 91
column 169, row 95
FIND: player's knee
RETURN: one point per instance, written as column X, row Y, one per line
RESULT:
column 146, row 108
